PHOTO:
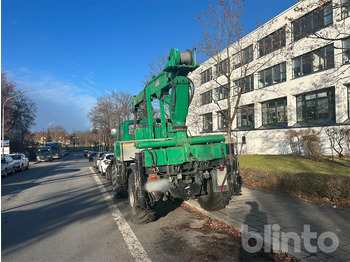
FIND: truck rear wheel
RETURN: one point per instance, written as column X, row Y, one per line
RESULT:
column 138, row 215
column 212, row 201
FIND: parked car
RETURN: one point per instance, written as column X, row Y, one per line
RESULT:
column 7, row 166
column 98, row 158
column 91, row 155
column 104, row 162
column 109, row 169
column 44, row 154
column 85, row 152
column 21, row 161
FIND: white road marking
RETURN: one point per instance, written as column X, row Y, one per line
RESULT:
column 134, row 245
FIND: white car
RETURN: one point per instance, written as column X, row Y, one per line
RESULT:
column 21, row 161
column 104, row 162
column 7, row 166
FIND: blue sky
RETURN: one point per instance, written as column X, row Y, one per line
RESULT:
column 68, row 53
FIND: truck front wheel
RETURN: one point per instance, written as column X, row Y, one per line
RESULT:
column 138, row 214
column 212, row 200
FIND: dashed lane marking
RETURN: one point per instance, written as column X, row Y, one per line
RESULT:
column 134, row 245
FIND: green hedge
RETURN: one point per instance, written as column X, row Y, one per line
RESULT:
column 334, row 189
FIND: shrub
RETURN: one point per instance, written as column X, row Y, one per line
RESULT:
column 330, row 188
column 312, row 144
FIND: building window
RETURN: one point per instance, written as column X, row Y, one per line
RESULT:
column 272, row 75
column 206, row 76
column 345, row 8
column 274, row 112
column 245, row 117
column 316, row 106
column 206, row 98
column 222, row 69
column 272, row 42
column 243, row 58
column 222, row 120
column 313, row 21
column 346, row 51
column 207, row 122
column 314, row 61
column 221, row 92
column 247, row 54
column 247, row 85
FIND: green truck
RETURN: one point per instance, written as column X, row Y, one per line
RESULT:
column 157, row 159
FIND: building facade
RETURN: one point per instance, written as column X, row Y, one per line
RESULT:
column 296, row 78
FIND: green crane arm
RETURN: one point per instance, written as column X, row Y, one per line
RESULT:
column 172, row 87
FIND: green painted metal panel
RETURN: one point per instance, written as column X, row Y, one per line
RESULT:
column 180, row 154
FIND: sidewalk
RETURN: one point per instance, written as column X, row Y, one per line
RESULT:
column 257, row 208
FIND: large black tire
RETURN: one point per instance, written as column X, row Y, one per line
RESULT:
column 138, row 215
column 118, row 191
column 212, row 201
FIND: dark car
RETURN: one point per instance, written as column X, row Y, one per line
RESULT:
column 44, row 154
column 92, row 154
column 85, row 152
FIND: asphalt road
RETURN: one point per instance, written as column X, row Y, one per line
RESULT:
column 63, row 211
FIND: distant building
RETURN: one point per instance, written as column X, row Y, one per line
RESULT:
column 304, row 83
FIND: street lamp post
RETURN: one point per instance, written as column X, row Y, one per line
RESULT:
column 48, row 132
column 3, row 120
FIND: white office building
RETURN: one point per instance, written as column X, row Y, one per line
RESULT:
column 299, row 80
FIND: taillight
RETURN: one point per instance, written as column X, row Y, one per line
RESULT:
column 221, row 168
column 153, row 177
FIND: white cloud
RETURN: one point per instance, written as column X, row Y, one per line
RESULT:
column 64, row 103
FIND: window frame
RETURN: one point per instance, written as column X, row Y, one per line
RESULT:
column 304, row 115
column 206, row 76
column 224, row 89
column 309, row 65
column 345, row 8
column 250, row 83
column 207, row 97
column 301, row 27
column 247, row 111
column 282, row 75
column 222, row 125
column 273, row 38
column 224, row 67
column 274, row 104
column 210, row 122
column 346, row 52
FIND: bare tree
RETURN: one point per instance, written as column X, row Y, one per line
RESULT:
column 109, row 111
column 57, row 133
column 232, row 55
column 155, row 67
column 336, row 135
column 19, row 112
